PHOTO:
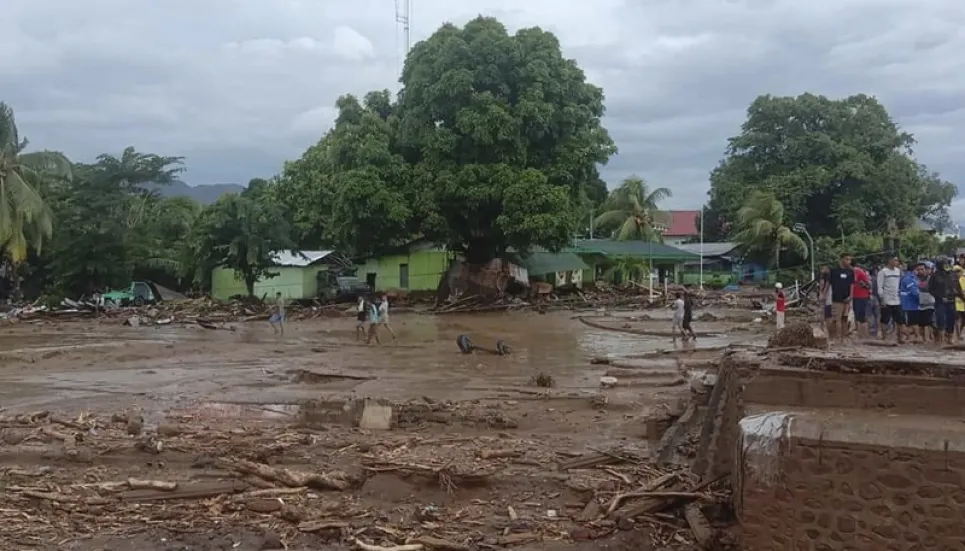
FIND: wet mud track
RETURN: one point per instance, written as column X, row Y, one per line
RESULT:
column 473, row 438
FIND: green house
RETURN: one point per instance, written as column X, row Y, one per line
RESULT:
column 416, row 267
column 600, row 254
column 298, row 277
column 557, row 269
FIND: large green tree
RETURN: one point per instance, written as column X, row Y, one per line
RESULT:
column 26, row 220
column 632, row 211
column 238, row 233
column 110, row 225
column 836, row 165
column 506, row 136
column 493, row 142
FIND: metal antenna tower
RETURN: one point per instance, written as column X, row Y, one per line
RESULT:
column 402, row 11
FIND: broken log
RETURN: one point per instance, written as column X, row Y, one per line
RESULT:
column 161, row 485
column 199, row 490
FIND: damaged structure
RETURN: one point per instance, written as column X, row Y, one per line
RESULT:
column 827, row 451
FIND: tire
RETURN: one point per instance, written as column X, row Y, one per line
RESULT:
column 502, row 348
column 464, row 343
column 138, row 301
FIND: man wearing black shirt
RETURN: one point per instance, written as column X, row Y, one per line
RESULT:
column 841, row 281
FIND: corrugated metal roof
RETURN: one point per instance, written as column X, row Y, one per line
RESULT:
column 710, row 249
column 644, row 249
column 300, row 259
column 550, row 263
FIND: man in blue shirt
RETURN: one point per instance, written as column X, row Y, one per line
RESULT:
column 908, row 293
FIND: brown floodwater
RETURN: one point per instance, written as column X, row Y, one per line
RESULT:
column 101, row 366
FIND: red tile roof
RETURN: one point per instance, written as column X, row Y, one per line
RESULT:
column 683, row 223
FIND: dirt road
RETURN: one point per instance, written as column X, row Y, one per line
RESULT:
column 190, row 438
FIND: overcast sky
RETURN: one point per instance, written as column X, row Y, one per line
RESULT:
column 238, row 86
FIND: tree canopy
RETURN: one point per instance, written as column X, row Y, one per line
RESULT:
column 840, row 166
column 493, row 142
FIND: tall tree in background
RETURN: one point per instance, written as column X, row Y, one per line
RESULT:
column 762, row 229
column 505, row 136
column 109, row 224
column 25, row 218
column 837, row 165
column 240, row 234
column 632, row 212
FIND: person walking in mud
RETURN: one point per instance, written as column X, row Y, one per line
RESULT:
column 688, row 316
column 384, row 314
column 361, row 317
column 277, row 318
column 373, row 319
column 678, row 317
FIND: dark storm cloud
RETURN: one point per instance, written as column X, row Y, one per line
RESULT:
column 237, row 86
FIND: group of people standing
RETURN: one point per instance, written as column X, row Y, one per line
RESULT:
column 923, row 302
column 372, row 313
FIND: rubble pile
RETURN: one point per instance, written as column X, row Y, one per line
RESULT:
column 204, row 311
column 89, row 475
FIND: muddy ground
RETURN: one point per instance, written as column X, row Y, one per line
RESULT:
column 181, row 437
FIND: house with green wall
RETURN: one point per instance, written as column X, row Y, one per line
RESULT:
column 415, row 267
column 298, row 277
column 602, row 254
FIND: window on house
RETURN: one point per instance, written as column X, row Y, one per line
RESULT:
column 404, row 276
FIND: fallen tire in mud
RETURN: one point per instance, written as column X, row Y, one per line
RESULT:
column 502, row 348
column 464, row 343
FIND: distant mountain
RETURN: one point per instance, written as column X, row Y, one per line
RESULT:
column 202, row 194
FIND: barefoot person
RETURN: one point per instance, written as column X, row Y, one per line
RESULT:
column 889, row 296
column 688, row 316
column 277, row 319
column 780, row 305
column 384, row 315
column 361, row 317
column 373, row 313
column 860, row 297
column 842, row 283
column 908, row 293
column 678, row 317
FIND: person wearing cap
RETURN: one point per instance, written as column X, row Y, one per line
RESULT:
column 944, row 286
column 780, row 305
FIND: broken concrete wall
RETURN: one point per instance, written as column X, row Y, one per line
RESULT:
column 719, row 431
column 804, row 482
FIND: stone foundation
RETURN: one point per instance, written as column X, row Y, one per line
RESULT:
column 809, row 483
column 840, row 453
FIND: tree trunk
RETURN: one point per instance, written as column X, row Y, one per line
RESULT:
column 250, row 284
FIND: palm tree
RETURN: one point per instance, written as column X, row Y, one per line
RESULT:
column 761, row 228
column 25, row 218
column 631, row 210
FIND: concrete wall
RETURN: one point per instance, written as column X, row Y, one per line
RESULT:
column 853, row 486
column 867, row 456
column 291, row 282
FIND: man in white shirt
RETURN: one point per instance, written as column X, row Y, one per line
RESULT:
column 384, row 315
column 889, row 281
